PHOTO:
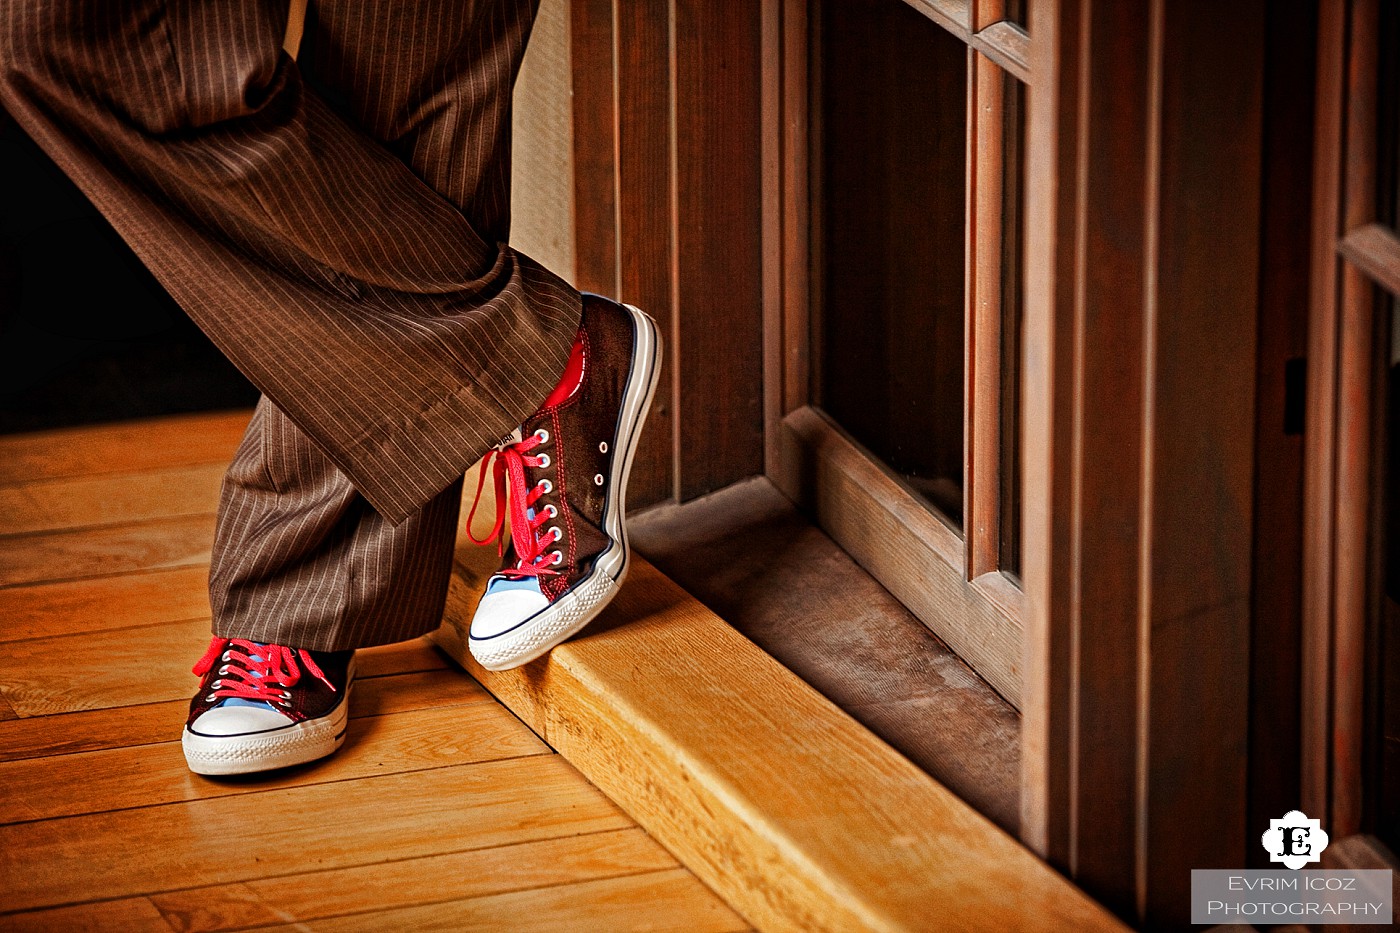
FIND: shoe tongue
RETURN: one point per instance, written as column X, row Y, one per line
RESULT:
column 499, row 584
column 241, row 701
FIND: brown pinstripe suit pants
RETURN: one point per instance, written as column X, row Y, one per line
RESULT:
column 337, row 226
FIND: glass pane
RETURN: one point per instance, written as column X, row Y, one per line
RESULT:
column 1012, row 320
column 889, row 239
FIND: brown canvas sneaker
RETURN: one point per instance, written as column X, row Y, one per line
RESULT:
column 266, row 706
column 566, row 471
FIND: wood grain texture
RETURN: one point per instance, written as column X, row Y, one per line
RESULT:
column 645, row 216
column 126, row 915
column 1142, row 312
column 439, row 793
column 53, row 505
column 690, row 727
column 664, row 902
column 94, row 605
column 151, row 775
column 750, row 557
column 70, row 555
column 66, row 673
column 163, row 443
column 863, row 508
column 717, row 346
column 474, row 873
column 595, row 150
column 1320, row 473
column 152, row 849
column 152, row 723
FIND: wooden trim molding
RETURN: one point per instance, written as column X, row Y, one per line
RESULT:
column 1375, row 251
column 1350, row 255
column 889, row 530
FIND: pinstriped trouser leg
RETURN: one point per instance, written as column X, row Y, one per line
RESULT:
column 341, row 239
column 301, row 559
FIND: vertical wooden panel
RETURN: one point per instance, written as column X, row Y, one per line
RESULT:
column 1139, row 392
column 1319, row 477
column 1356, row 426
column 717, row 346
column 595, row 148
column 645, row 221
column 1196, row 651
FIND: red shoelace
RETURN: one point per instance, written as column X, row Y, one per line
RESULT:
column 507, row 464
column 242, row 675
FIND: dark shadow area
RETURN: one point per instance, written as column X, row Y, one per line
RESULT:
column 87, row 334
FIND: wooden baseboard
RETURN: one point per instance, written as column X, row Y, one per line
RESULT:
column 792, row 811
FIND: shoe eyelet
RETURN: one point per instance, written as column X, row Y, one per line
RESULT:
column 558, row 558
column 543, row 435
column 598, row 479
column 224, row 669
column 551, row 510
column 545, row 486
column 210, row 698
column 216, row 685
column 544, row 461
column 603, row 447
column 557, row 534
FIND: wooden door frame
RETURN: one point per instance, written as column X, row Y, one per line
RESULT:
column 1351, row 253
column 1140, row 373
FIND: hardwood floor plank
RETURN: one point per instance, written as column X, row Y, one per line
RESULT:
column 150, row 775
column 92, row 552
column 670, row 900
column 128, row 915
column 121, row 667
column 122, row 448
column 7, row 712
column 391, row 885
column 150, row 664
column 80, row 502
column 152, row 723
column 95, row 605
column 219, row 907
column 239, row 838
column 418, row 654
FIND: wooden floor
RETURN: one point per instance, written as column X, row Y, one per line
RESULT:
column 442, row 811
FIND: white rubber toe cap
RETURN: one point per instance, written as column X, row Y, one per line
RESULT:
column 239, row 720
column 503, row 611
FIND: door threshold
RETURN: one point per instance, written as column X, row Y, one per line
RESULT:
column 793, row 812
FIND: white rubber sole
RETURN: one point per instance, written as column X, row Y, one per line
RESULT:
column 567, row 615
column 264, row 751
